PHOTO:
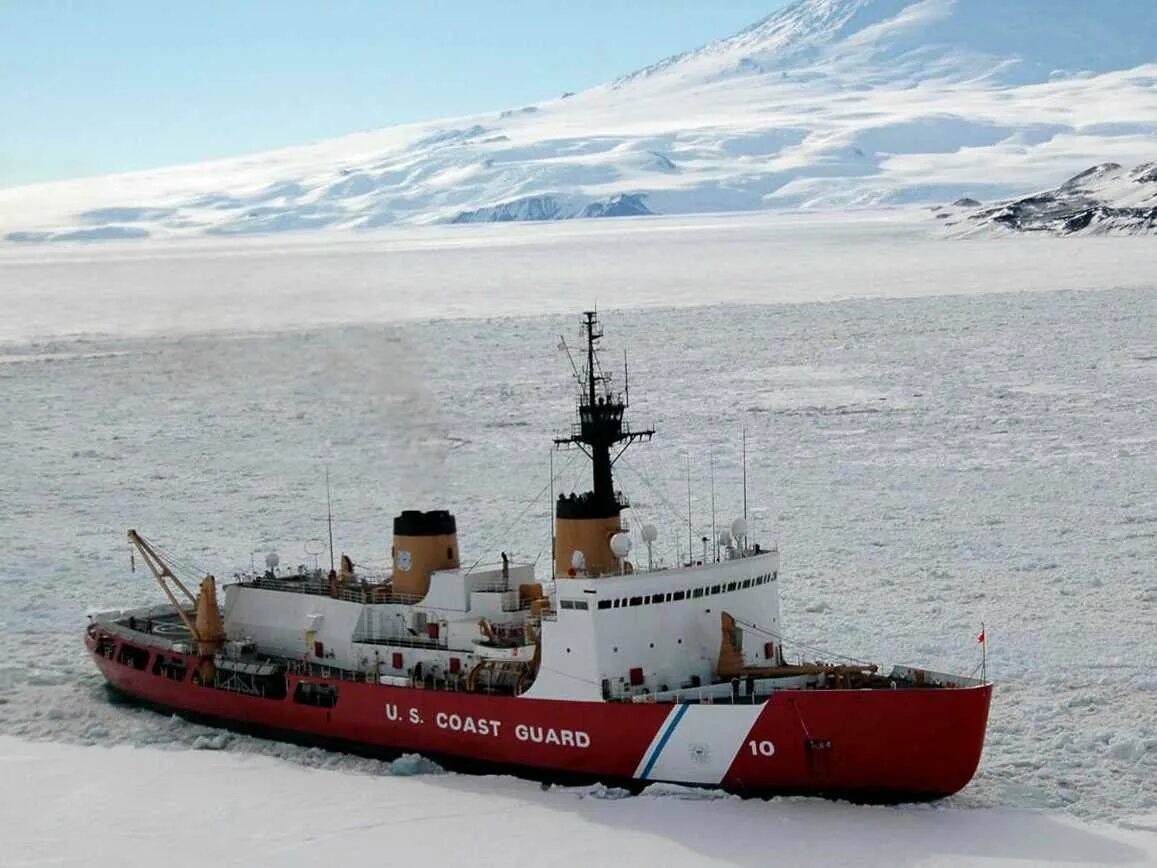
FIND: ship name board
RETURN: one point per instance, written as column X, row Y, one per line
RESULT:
column 489, row 726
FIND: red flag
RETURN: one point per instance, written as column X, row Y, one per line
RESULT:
column 980, row 638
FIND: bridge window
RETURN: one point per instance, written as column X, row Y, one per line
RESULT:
column 604, row 604
column 580, row 604
column 747, row 583
column 697, row 593
column 731, row 586
column 715, row 589
column 635, row 601
column 679, row 595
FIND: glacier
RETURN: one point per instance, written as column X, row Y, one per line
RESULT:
column 826, row 104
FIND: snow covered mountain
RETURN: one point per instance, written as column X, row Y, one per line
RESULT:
column 826, row 103
column 1105, row 200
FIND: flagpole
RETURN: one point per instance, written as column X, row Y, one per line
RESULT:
column 983, row 654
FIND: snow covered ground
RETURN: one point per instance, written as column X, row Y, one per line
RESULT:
column 826, row 103
column 931, row 446
column 478, row 271
column 87, row 806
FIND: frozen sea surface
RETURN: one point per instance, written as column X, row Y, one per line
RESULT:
column 232, row 808
column 924, row 463
column 305, row 281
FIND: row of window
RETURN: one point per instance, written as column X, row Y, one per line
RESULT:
column 673, row 596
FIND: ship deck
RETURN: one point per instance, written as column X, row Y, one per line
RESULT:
column 161, row 628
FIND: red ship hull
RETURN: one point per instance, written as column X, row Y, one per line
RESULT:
column 880, row 745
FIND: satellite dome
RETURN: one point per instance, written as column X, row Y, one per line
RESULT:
column 739, row 528
column 272, row 560
column 621, row 544
column 578, row 561
column 650, row 533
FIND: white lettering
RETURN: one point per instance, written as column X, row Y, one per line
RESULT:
column 414, row 716
column 391, row 711
column 457, row 723
column 549, row 735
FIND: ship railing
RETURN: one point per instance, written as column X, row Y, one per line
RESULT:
column 401, row 641
column 361, row 592
column 493, row 587
column 175, row 642
column 722, row 692
column 137, row 637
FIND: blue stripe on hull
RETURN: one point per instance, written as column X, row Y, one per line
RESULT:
column 663, row 741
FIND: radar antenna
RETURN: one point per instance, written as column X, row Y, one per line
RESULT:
column 601, row 426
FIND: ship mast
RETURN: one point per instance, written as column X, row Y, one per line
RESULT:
column 600, row 431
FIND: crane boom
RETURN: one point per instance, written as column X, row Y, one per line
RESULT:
column 163, row 575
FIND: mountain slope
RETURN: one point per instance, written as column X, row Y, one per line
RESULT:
column 1105, row 200
column 825, row 103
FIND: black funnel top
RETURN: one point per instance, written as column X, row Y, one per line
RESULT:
column 414, row 522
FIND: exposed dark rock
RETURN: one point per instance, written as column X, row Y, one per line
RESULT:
column 623, row 205
column 1103, row 200
column 530, row 208
column 538, row 208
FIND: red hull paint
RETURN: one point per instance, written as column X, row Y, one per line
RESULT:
column 882, row 744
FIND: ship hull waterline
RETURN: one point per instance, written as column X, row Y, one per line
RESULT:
column 907, row 744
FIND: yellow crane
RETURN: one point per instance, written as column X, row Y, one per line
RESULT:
column 206, row 626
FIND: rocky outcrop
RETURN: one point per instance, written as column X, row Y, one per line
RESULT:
column 1108, row 199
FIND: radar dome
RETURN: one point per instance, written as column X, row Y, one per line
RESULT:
column 739, row 528
column 621, row 544
column 272, row 560
column 650, row 533
column 578, row 561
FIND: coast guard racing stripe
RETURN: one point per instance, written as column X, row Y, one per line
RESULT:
column 697, row 743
